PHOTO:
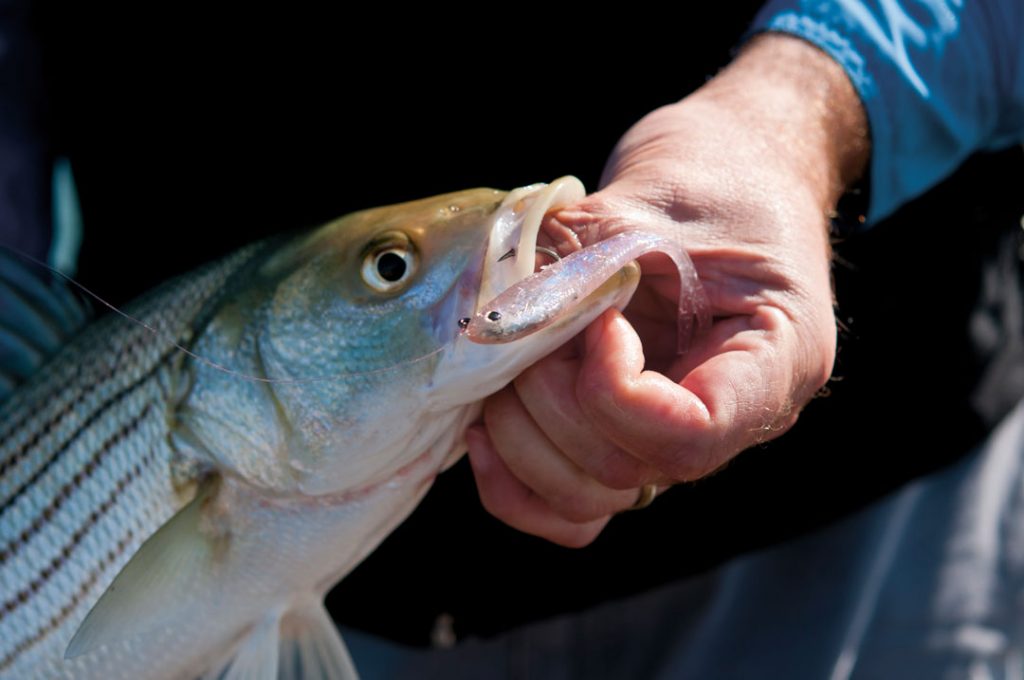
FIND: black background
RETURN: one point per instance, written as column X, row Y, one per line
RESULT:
column 191, row 133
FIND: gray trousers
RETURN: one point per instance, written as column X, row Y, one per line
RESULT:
column 926, row 583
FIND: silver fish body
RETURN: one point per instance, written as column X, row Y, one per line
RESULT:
column 168, row 517
column 86, row 455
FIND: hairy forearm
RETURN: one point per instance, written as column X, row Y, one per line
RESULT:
column 805, row 107
column 783, row 111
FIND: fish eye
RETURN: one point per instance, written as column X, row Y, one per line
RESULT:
column 389, row 265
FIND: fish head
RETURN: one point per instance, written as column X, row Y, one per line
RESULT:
column 357, row 330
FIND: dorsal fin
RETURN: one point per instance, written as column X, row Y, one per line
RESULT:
column 38, row 314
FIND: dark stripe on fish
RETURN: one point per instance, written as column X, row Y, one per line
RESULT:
column 26, row 447
column 182, row 307
column 69, row 487
column 93, row 417
column 217, row 278
column 57, row 619
column 11, row 426
column 97, row 513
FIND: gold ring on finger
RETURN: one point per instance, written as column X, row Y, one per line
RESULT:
column 645, row 497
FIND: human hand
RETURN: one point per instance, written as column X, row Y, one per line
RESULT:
column 747, row 168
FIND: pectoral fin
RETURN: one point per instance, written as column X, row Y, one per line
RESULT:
column 177, row 559
column 311, row 648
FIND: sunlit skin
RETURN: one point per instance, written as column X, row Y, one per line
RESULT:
column 747, row 168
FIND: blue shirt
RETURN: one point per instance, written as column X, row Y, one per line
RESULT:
column 940, row 79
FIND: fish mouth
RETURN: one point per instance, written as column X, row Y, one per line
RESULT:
column 472, row 370
column 521, row 239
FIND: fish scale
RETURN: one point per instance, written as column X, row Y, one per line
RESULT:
column 86, row 465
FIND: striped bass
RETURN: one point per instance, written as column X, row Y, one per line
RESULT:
column 175, row 514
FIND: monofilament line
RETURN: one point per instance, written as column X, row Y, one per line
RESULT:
column 208, row 362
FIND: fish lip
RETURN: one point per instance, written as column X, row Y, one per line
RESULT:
column 516, row 228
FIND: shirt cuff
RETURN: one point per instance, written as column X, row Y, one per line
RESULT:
column 927, row 82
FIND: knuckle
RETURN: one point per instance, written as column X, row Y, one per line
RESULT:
column 619, row 472
column 690, row 463
column 497, row 501
column 489, row 501
column 777, row 427
column 600, row 382
column 576, row 508
column 591, row 389
column 600, row 397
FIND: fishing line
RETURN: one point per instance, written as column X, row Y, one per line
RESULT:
column 209, row 362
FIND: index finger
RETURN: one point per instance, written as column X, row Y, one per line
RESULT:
column 741, row 394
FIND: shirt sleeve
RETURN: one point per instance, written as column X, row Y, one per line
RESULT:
column 939, row 79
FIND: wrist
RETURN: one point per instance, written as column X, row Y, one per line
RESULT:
column 803, row 105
